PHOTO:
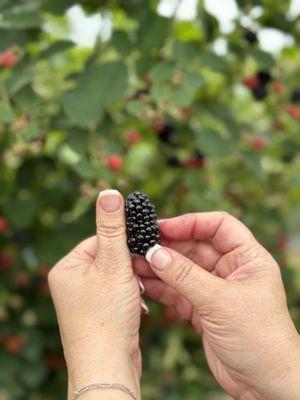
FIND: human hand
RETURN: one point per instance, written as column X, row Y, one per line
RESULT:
column 215, row 274
column 97, row 300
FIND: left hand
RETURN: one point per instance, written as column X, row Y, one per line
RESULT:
column 98, row 305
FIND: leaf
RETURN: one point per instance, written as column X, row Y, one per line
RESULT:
column 212, row 144
column 152, row 32
column 22, row 20
column 213, row 61
column 185, row 92
column 265, row 60
column 98, row 86
column 6, row 115
column 162, row 72
column 185, row 51
column 55, row 48
column 21, row 212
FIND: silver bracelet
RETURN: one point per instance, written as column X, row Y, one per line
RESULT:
column 112, row 385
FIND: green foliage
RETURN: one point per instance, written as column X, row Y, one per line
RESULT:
column 64, row 109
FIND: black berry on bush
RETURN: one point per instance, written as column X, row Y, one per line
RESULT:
column 259, row 93
column 265, row 77
column 251, row 37
column 295, row 98
column 141, row 223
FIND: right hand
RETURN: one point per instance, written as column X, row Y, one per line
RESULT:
column 217, row 275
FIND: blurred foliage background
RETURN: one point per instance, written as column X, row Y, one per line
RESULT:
column 198, row 118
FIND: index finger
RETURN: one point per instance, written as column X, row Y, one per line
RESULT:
column 223, row 230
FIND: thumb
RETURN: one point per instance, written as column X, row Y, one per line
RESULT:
column 189, row 279
column 112, row 248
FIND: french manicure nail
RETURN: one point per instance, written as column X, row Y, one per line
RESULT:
column 144, row 306
column 159, row 257
column 110, row 200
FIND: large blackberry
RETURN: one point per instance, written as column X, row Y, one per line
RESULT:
column 141, row 223
column 295, row 97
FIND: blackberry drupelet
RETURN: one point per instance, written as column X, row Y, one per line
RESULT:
column 141, row 223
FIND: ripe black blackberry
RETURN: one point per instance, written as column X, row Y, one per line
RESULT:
column 141, row 223
column 251, row 37
column 260, row 93
column 295, row 97
column 265, row 77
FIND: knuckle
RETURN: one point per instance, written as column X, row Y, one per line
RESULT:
column 182, row 274
column 112, row 230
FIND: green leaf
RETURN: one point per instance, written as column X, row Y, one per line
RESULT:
column 97, row 87
column 212, row 144
column 265, row 60
column 22, row 20
column 55, row 48
column 6, row 115
column 162, row 72
column 21, row 212
column 152, row 32
column 185, row 92
column 185, row 51
column 213, row 61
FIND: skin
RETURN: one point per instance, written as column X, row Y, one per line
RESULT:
column 97, row 299
column 230, row 288
column 220, row 278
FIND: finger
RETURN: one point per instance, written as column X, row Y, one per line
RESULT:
column 193, row 282
column 201, row 253
column 111, row 232
column 222, row 229
column 164, row 294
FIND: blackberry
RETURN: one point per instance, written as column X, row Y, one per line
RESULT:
column 251, row 37
column 260, row 93
column 141, row 223
column 265, row 77
column 295, row 97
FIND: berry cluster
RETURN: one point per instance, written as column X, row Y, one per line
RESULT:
column 258, row 84
column 141, row 223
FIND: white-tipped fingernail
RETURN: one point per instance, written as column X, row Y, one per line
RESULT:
column 144, row 307
column 110, row 200
column 142, row 287
column 159, row 257
column 151, row 251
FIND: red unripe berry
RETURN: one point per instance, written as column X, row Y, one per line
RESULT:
column 114, row 162
column 6, row 259
column 278, row 86
column 3, row 224
column 252, row 82
column 8, row 59
column 134, row 137
column 14, row 344
column 294, row 111
column 159, row 125
column 196, row 162
column 258, row 144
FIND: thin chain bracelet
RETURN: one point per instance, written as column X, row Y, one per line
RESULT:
column 112, row 385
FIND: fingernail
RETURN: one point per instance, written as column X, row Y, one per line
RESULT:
column 110, row 200
column 142, row 287
column 144, row 306
column 158, row 257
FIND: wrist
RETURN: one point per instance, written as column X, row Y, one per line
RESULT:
column 105, row 366
column 282, row 380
